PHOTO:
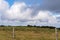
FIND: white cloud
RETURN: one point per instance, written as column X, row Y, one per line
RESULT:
column 3, row 5
column 42, row 15
column 21, row 11
column 18, row 11
column 45, row 16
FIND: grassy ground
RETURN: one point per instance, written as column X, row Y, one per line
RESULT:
column 28, row 33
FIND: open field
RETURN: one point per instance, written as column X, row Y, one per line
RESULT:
column 28, row 33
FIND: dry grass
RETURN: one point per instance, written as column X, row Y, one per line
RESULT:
column 27, row 33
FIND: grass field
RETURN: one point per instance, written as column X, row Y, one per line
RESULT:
column 28, row 33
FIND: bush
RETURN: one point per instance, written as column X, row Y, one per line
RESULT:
column 29, row 26
column 2, row 26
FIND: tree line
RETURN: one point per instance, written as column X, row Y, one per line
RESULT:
column 51, row 27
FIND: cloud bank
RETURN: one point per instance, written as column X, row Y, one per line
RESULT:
column 52, row 5
column 22, row 14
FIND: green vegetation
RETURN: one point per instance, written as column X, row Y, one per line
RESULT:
column 28, row 33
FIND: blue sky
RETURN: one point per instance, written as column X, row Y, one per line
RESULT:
column 10, row 2
column 33, row 12
column 28, row 2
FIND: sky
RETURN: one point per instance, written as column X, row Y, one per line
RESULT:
column 33, row 12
